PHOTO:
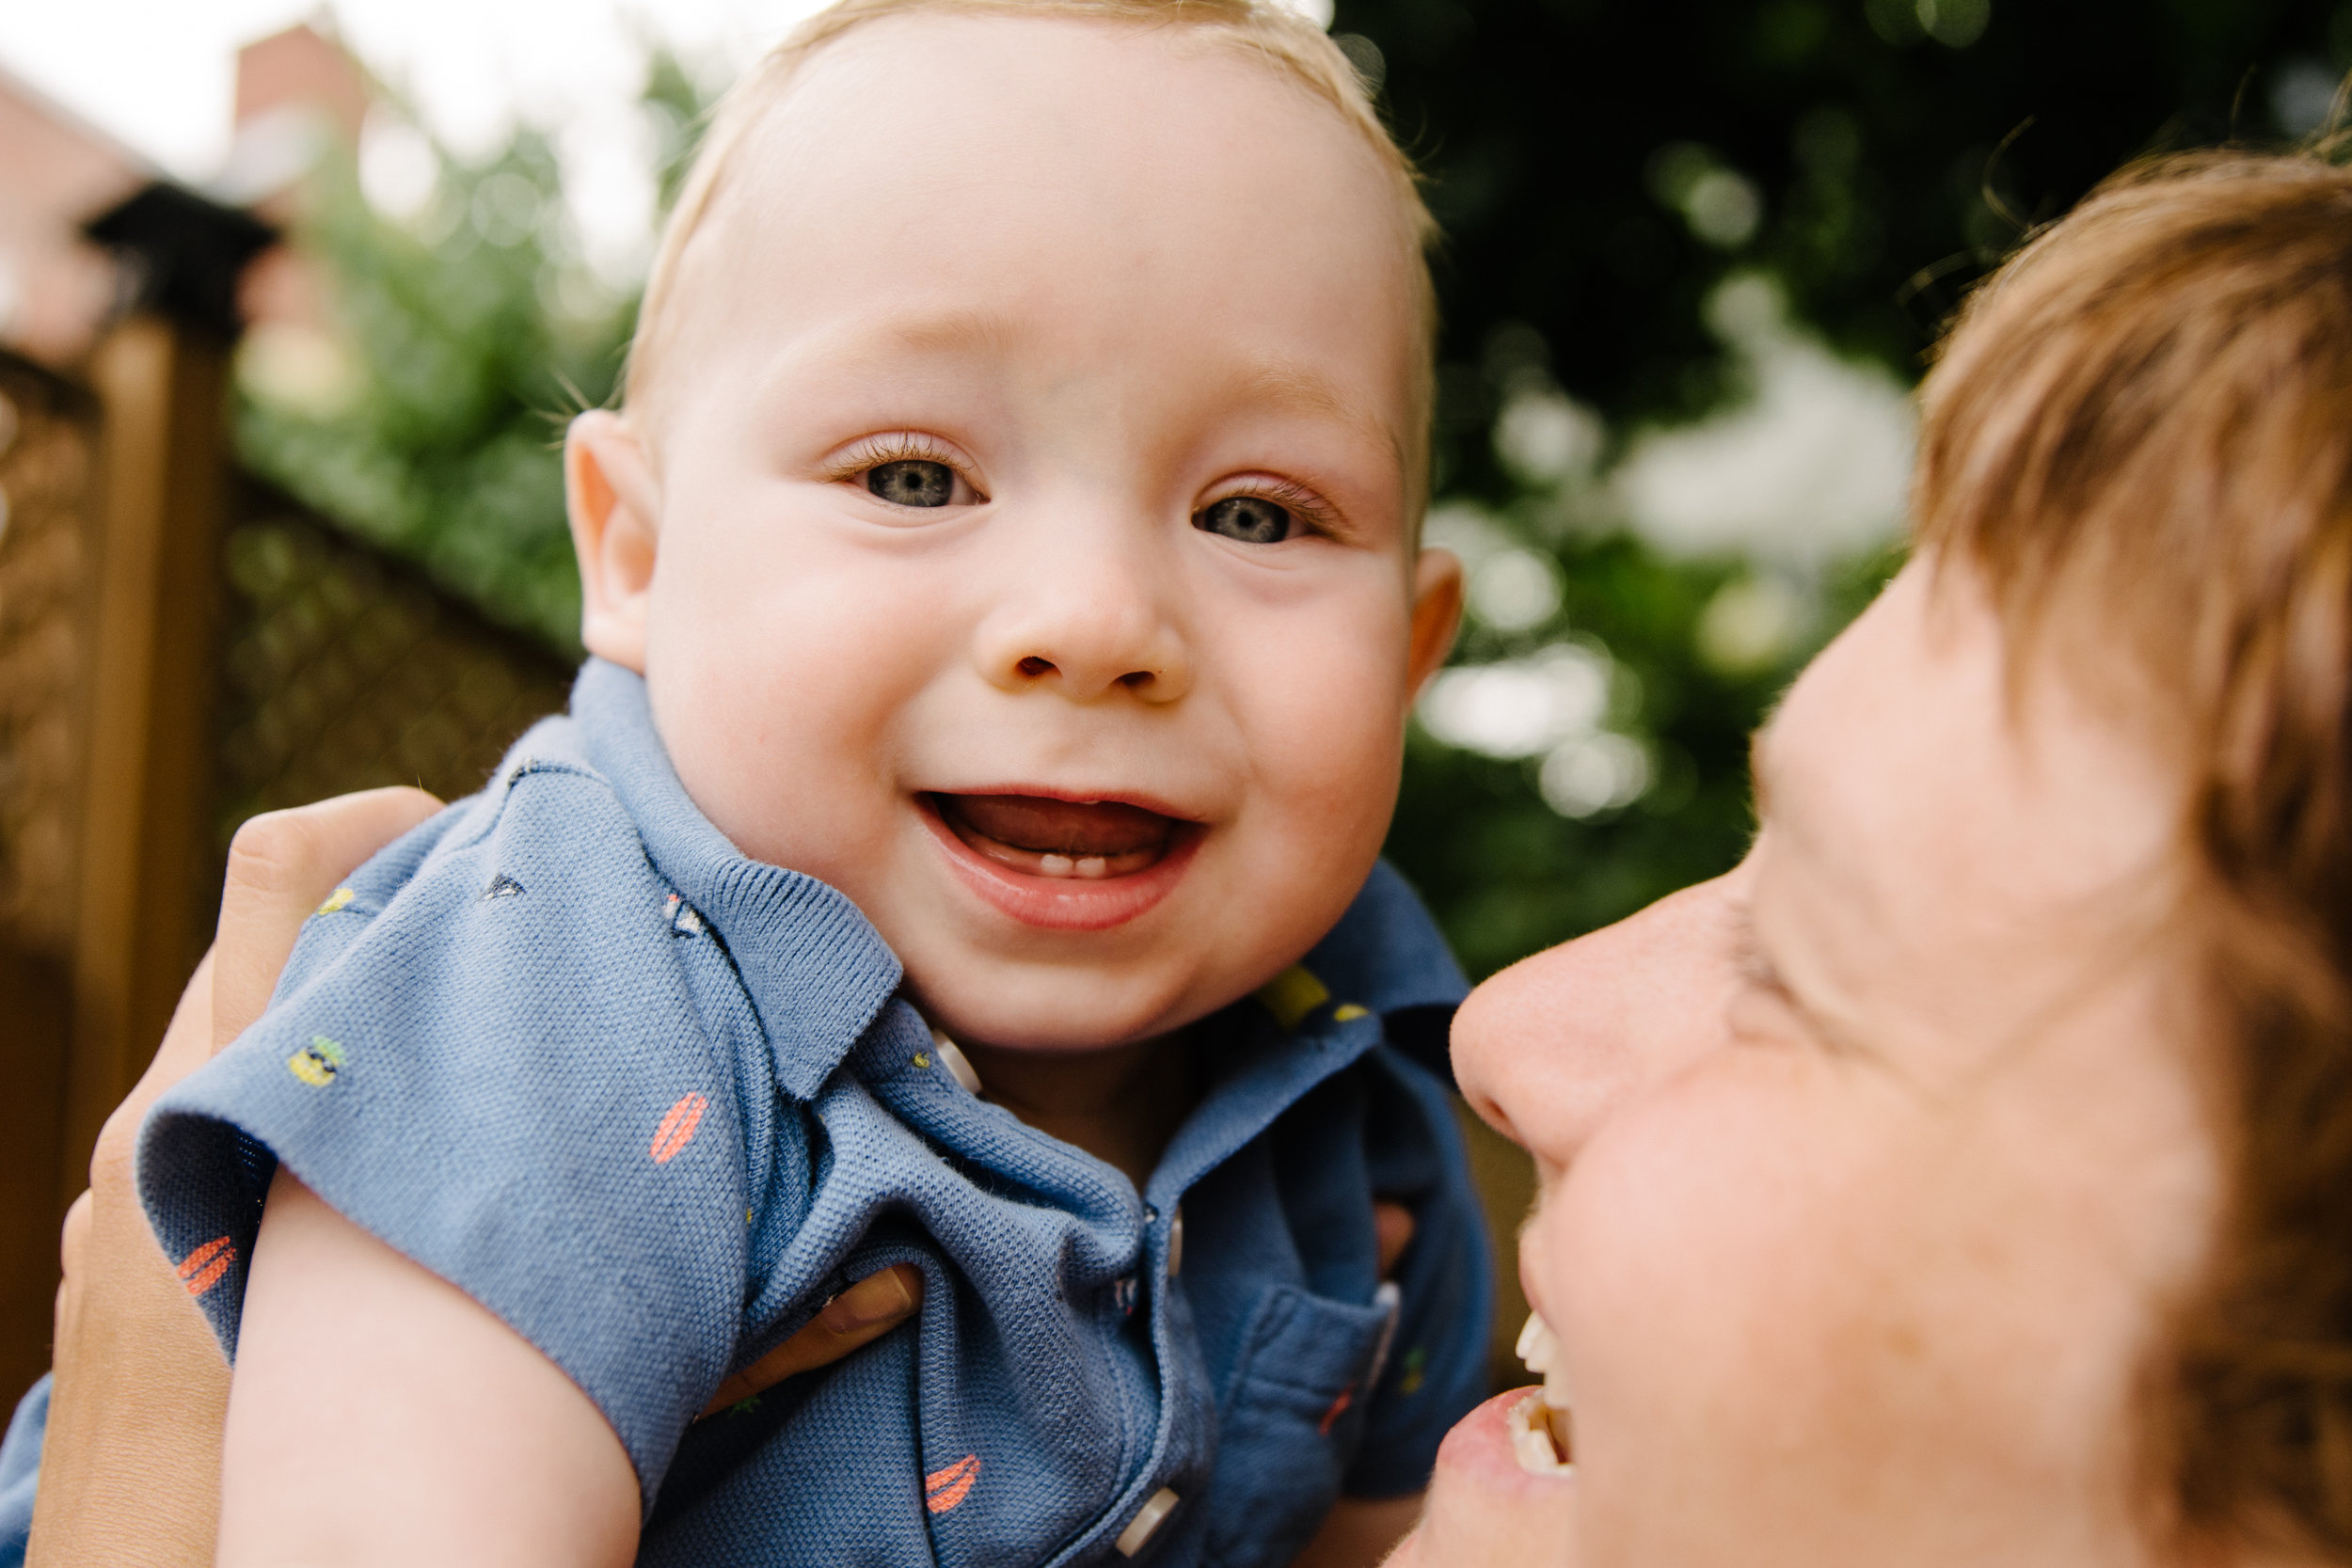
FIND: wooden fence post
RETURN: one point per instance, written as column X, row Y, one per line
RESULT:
column 140, row 922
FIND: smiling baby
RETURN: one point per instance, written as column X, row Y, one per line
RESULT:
column 1005, row 599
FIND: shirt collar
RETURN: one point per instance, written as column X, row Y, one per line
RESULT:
column 818, row 973
column 1385, row 954
column 816, row 970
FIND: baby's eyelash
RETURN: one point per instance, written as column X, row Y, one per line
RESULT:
column 898, row 445
column 1310, row 508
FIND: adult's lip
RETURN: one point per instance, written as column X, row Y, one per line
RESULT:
column 1485, row 1507
column 1060, row 861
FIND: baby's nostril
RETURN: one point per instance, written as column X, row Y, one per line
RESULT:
column 1136, row 678
column 1034, row 666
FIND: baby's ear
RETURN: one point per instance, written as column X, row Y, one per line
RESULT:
column 614, row 504
column 1437, row 616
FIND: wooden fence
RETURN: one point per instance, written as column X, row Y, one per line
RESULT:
column 181, row 647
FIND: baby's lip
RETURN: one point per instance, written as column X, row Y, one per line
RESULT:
column 1048, row 835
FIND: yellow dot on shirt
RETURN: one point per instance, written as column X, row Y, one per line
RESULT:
column 336, row 900
column 923, row 1058
column 1347, row 1010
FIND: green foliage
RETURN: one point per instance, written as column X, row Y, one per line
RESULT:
column 471, row 331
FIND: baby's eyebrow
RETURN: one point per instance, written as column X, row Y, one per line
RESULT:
column 1288, row 383
column 951, row 330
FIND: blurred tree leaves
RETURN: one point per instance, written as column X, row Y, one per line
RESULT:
column 471, row 328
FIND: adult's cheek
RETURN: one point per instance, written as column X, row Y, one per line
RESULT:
column 1483, row 1509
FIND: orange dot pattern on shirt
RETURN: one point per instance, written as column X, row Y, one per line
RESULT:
column 944, row 1489
column 200, row 1270
column 677, row 1128
column 1339, row 1408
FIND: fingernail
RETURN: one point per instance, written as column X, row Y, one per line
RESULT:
column 878, row 1299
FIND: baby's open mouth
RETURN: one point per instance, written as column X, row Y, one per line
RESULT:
column 1541, row 1433
column 1044, row 837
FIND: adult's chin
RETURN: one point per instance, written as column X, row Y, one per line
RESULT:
column 1483, row 1509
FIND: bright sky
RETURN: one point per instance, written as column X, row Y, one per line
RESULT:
column 160, row 74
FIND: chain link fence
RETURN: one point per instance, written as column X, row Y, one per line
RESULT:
column 338, row 668
column 48, row 467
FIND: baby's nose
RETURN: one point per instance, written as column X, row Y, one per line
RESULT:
column 1087, row 633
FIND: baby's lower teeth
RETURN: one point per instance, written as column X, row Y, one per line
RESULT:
column 1093, row 867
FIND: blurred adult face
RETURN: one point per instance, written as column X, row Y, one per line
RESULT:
column 1868, row 1169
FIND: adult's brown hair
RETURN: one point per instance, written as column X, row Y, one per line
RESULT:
column 2139, row 435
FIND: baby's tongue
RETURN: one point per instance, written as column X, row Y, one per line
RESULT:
column 1071, row 828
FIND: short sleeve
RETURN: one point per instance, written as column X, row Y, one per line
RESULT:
column 1435, row 1371
column 20, row 1472
column 487, row 1053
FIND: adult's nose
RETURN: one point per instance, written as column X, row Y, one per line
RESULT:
column 1547, row 1050
column 1090, row 608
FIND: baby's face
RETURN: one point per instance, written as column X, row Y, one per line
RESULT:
column 1022, row 543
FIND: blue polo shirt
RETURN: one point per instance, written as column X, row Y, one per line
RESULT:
column 653, row 1103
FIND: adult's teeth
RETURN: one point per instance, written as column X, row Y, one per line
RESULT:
column 1541, row 1422
column 1538, row 1346
column 1537, row 1439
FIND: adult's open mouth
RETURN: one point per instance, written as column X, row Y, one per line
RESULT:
column 1071, row 865
column 1542, row 1435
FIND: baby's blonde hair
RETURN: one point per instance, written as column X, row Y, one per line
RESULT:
column 1284, row 39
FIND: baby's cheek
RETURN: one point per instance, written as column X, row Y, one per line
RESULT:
column 1331, row 753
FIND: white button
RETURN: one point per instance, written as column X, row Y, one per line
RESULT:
column 1161, row 1504
column 1175, row 1242
column 954, row 1063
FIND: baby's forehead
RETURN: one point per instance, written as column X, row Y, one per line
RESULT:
column 949, row 87
column 1155, row 164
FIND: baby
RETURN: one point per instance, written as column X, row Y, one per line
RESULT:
column 961, row 852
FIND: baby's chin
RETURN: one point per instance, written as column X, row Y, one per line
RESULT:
column 1054, row 1012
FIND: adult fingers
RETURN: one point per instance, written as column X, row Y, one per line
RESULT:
column 187, row 1044
column 72, row 1249
column 858, row 1316
column 281, row 867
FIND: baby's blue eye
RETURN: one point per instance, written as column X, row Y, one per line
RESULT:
column 912, row 481
column 1251, row 519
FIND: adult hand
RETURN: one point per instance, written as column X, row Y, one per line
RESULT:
column 131, row 1467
